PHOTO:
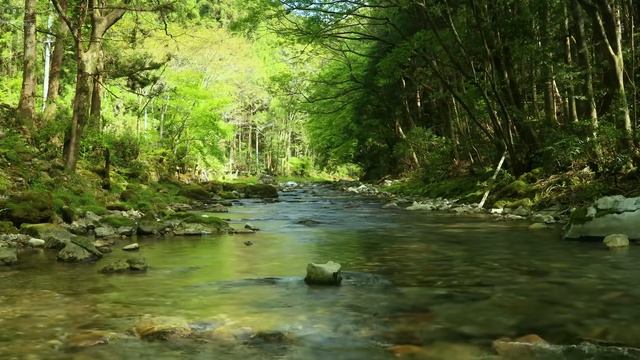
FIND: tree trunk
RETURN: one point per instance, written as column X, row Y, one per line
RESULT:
column 27, row 104
column 56, row 65
column 81, row 110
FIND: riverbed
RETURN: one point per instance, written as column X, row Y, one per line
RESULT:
column 443, row 284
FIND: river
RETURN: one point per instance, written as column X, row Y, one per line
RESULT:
column 455, row 284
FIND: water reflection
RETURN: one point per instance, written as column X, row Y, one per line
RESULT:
column 458, row 284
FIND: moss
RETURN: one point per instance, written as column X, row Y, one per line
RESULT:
column 96, row 209
column 30, row 207
column 195, row 192
column 118, row 221
column 198, row 218
column 6, row 227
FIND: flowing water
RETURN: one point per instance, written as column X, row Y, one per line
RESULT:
column 452, row 286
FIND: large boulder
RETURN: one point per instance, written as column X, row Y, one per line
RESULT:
column 55, row 236
column 73, row 253
column 30, row 207
column 323, row 274
column 8, row 256
column 608, row 215
column 79, row 250
column 261, row 191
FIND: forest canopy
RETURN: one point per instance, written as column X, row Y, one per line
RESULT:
column 429, row 88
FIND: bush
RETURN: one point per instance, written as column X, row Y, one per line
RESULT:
column 301, row 166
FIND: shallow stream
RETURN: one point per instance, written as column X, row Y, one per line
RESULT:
column 452, row 286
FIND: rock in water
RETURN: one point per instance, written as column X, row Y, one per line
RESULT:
column 323, row 274
column 36, row 243
column 8, row 256
column 608, row 215
column 132, row 247
column 538, row 226
column 616, row 241
column 162, row 328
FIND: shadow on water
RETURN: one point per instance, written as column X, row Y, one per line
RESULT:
column 449, row 284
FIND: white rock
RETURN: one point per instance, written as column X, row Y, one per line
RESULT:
column 104, row 231
column 419, row 206
column 542, row 218
column 616, row 240
column 391, row 206
column 601, row 226
column 497, row 211
column 131, row 247
column 36, row 243
column 323, row 274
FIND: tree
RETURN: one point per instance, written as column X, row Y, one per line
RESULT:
column 27, row 104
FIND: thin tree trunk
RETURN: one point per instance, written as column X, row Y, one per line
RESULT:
column 27, row 104
column 57, row 59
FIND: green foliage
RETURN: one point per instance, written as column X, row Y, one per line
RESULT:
column 301, row 166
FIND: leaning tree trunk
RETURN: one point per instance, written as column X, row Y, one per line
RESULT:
column 27, row 104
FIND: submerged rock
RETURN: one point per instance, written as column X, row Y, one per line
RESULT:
column 308, row 222
column 88, row 339
column 538, row 226
column 323, row 274
column 162, row 328
column 122, row 266
column 616, row 241
column 525, row 347
column 8, row 256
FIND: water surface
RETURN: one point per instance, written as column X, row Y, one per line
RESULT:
column 458, row 283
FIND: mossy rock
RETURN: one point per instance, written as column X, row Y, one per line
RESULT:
column 68, row 214
column 199, row 218
column 579, row 216
column 6, row 227
column 516, row 189
column 55, row 236
column 261, row 191
column 117, row 221
column 31, row 207
column 195, row 192
column 213, row 187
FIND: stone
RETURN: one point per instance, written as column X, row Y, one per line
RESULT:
column 104, row 231
column 521, row 211
column 55, row 236
column 36, row 243
column 602, row 226
column 126, row 231
column 8, row 256
column 137, row 264
column 542, row 218
column 190, row 229
column 525, row 347
column 73, row 253
column 217, row 208
column 421, row 207
column 323, row 274
column 151, row 227
column 499, row 211
column 132, row 247
column 248, row 243
column 251, row 227
column 260, row 191
column 104, row 245
column 162, row 328
column 616, row 241
column 88, row 339
column 243, row 231
column 538, row 226
column 124, row 266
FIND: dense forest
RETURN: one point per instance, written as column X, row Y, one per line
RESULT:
column 424, row 90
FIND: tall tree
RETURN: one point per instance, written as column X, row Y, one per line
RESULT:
column 27, row 104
